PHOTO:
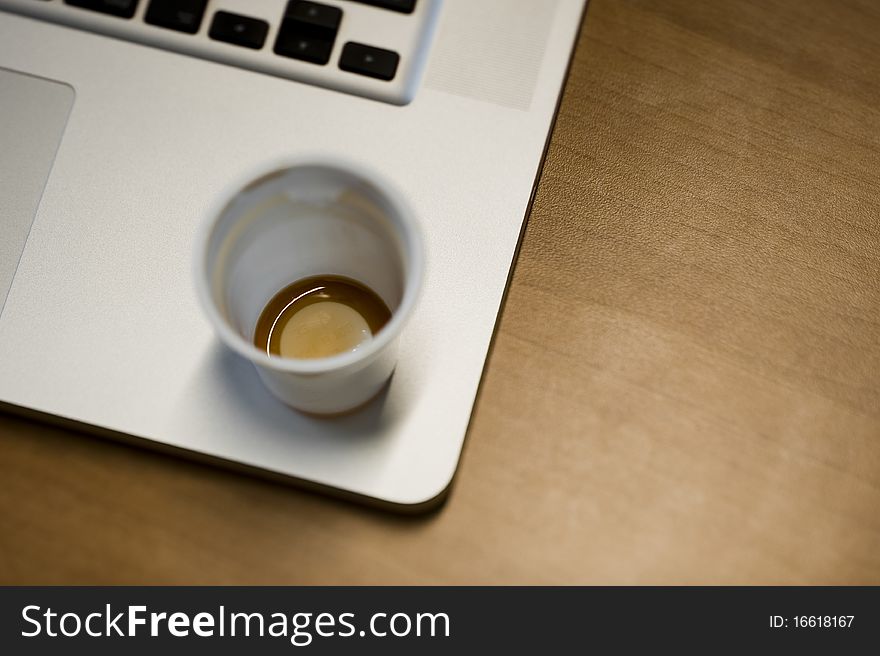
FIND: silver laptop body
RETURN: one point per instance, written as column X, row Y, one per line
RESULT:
column 117, row 133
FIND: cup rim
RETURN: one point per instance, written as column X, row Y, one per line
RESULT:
column 407, row 226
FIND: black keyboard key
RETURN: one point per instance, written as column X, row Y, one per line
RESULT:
column 179, row 15
column 369, row 61
column 239, row 30
column 403, row 6
column 316, row 51
column 308, row 31
column 321, row 18
column 121, row 8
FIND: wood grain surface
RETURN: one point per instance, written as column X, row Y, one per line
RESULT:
column 685, row 386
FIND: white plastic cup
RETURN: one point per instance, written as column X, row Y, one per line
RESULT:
column 305, row 219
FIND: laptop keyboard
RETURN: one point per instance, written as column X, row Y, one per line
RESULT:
column 371, row 48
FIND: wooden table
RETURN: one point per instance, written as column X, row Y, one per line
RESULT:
column 685, row 387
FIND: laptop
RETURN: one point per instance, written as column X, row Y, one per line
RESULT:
column 121, row 121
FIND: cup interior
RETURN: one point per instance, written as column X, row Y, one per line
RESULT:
column 299, row 222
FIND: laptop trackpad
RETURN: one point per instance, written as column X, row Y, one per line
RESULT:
column 33, row 113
